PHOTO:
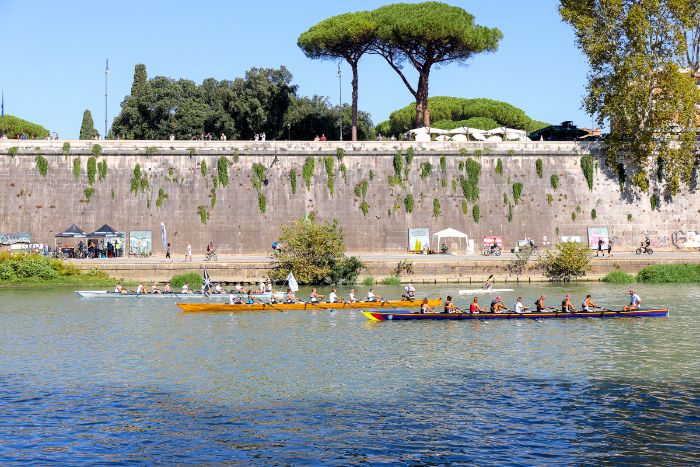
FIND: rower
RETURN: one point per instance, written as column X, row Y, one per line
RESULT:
column 234, row 298
column 539, row 304
column 332, row 297
column 273, row 296
column 351, row 296
column 186, row 288
column 249, row 297
column 588, row 304
column 566, row 306
column 488, row 285
column 315, row 297
column 218, row 289
column 635, row 302
column 425, row 307
column 118, row 288
column 410, row 293
column 449, row 305
column 372, row 297
column 518, row 307
column 474, row 306
column 290, row 298
column 497, row 305
column 262, row 286
column 141, row 288
column 154, row 289
column 238, row 289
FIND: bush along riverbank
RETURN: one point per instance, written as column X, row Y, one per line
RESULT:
column 17, row 269
column 658, row 273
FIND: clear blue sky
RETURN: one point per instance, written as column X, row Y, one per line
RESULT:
column 54, row 54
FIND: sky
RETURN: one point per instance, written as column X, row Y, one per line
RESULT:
column 54, row 55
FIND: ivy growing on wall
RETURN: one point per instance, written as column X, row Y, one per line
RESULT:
column 654, row 201
column 96, row 150
column 509, row 215
column 13, row 151
column 212, row 197
column 436, row 208
column 66, row 148
column 222, row 171
column 499, row 167
column 293, row 180
column 408, row 203
column 587, row 167
column 192, row 152
column 517, row 191
column 621, row 176
column 42, row 165
column 550, row 198
column 426, row 169
column 470, row 183
column 409, row 155
column 554, row 181
column 443, row 164
column 398, row 163
column 258, row 179
column 330, row 172
column 91, row 169
column 88, row 192
column 203, row 214
column 476, row 213
column 102, row 169
column 538, row 167
column 364, row 207
column 340, row 153
column 162, row 196
column 236, row 156
column 594, row 214
column 465, row 207
column 460, row 165
column 360, row 191
column 138, row 182
column 344, row 171
column 203, row 168
column 573, row 216
column 505, row 199
column 76, row 167
column 307, row 172
column 371, row 175
column 150, row 150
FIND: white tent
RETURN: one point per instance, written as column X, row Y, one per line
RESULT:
column 473, row 133
column 426, row 130
column 508, row 134
column 459, row 137
column 449, row 233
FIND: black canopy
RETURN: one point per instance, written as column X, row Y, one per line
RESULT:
column 72, row 232
column 105, row 231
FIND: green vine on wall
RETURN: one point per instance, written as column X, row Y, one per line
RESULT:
column 162, row 196
column 476, row 213
column 465, row 207
column 76, row 167
column 654, row 202
column 398, row 163
column 212, row 198
column 91, row 170
column 96, row 150
column 443, row 164
column 88, row 192
column 594, row 214
column 344, row 171
column 538, row 167
column 258, row 181
column 587, row 167
column 426, row 169
column 138, row 182
column 293, row 180
column 42, row 165
column 203, row 214
column 408, row 203
column 517, row 191
column 499, row 167
column 222, row 171
column 203, row 168
column 262, row 202
column 364, row 207
column 307, row 172
column 13, row 151
column 102, row 169
column 470, row 184
column 436, row 208
column 340, row 153
column 509, row 215
column 66, row 148
column 329, row 163
column 554, row 181
column 151, row 150
column 192, row 152
column 550, row 198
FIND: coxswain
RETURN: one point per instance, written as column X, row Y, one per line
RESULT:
column 449, row 305
column 410, row 293
column 425, row 307
column 518, row 307
column 141, row 288
column 635, row 301
column 315, row 297
column 474, row 306
column 118, row 288
column 167, row 288
column 566, row 306
column 351, row 296
column 290, row 298
column 186, row 288
column 497, row 305
column 588, row 304
column 539, row 304
column 332, row 297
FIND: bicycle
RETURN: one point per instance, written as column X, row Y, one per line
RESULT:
column 644, row 249
column 211, row 256
column 492, row 251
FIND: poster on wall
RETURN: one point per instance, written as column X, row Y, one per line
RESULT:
column 493, row 240
column 140, row 242
column 418, row 239
column 17, row 237
column 571, row 239
column 595, row 234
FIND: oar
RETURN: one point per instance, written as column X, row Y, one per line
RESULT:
column 486, row 282
column 268, row 304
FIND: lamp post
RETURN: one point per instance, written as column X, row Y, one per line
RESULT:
column 289, row 131
column 104, row 136
column 340, row 101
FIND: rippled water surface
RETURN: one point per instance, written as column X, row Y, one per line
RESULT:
column 113, row 381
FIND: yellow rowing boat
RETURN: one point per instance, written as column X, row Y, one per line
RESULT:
column 218, row 307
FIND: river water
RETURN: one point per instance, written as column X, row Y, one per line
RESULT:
column 135, row 381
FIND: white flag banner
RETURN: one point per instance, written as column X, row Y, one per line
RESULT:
column 293, row 286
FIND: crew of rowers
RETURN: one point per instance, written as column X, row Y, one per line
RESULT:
column 497, row 305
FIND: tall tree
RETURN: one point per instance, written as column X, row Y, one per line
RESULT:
column 428, row 34
column 639, row 82
column 87, row 128
column 348, row 37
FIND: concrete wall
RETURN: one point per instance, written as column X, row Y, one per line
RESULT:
column 46, row 205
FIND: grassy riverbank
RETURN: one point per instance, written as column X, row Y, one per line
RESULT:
column 19, row 269
column 658, row 273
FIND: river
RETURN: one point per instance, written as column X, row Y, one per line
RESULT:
column 135, row 381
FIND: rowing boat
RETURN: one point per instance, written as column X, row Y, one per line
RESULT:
column 191, row 296
column 403, row 315
column 223, row 307
column 478, row 291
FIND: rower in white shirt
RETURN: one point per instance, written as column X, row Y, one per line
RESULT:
column 351, row 296
column 332, row 297
column 218, row 288
column 185, row 288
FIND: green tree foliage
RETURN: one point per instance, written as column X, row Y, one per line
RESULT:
column 640, row 82
column 15, row 127
column 348, row 36
column 315, row 253
column 454, row 112
column 568, row 260
column 308, row 117
column 424, row 35
column 87, row 128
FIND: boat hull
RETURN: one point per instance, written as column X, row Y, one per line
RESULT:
column 225, row 307
column 179, row 296
column 405, row 315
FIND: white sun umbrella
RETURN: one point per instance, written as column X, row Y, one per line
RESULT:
column 494, row 138
column 425, row 130
column 459, row 137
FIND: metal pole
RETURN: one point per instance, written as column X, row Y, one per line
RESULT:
column 104, row 136
column 340, row 101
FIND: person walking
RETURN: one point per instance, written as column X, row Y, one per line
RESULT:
column 610, row 244
column 188, row 254
column 167, row 253
column 600, row 248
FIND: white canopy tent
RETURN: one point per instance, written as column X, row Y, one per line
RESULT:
column 427, row 130
column 508, row 134
column 449, row 233
column 470, row 133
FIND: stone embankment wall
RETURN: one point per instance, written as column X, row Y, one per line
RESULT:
column 181, row 183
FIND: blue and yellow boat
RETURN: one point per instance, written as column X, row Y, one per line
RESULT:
column 405, row 315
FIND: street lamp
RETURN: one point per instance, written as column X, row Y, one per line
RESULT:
column 289, row 131
column 340, row 101
column 104, row 136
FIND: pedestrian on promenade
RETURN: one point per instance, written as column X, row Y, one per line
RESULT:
column 610, row 243
column 167, row 253
column 600, row 248
column 188, row 254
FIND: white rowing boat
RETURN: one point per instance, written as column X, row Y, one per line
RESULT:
column 180, row 296
column 482, row 291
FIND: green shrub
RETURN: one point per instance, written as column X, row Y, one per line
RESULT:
column 517, row 191
column 192, row 278
column 13, row 151
column 364, row 207
column 91, row 169
column 102, row 169
column 203, row 168
column 587, row 167
column 222, row 171
column 426, row 169
column 150, row 150
column 307, row 172
column 619, row 277
column 32, row 266
column 88, row 192
column 76, row 167
column 391, row 280
column 368, row 281
column 96, row 150
column 538, row 167
column 568, row 260
column 258, row 176
column 476, row 213
column 398, row 163
column 499, row 167
column 554, row 181
column 409, row 155
column 436, row 208
column 340, row 153
column 408, row 202
column 293, row 180
column 346, row 270
column 665, row 273
column 162, row 196
column 42, row 165
column 7, row 272
column 203, row 214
